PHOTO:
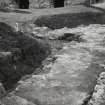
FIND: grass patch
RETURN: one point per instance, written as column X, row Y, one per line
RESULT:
column 70, row 20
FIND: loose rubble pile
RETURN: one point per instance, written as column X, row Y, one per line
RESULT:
column 70, row 74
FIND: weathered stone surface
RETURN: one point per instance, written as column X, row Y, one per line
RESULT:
column 63, row 34
column 40, row 4
column 73, row 73
column 76, row 2
column 15, row 100
column 4, row 3
column 98, row 96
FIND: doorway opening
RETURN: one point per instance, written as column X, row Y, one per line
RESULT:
column 58, row 3
column 97, row 1
column 23, row 4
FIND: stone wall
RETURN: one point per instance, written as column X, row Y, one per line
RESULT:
column 76, row 2
column 47, row 3
column 40, row 3
column 50, row 3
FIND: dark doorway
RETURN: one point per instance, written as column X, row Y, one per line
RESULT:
column 97, row 1
column 58, row 3
column 23, row 4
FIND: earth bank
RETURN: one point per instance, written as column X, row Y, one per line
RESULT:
column 18, row 54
